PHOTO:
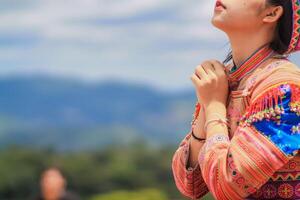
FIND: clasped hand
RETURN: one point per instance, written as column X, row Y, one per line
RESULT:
column 211, row 83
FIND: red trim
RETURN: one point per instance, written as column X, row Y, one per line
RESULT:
column 251, row 63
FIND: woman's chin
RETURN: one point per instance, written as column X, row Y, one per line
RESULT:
column 218, row 23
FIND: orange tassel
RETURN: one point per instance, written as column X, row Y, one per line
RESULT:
column 270, row 105
column 295, row 99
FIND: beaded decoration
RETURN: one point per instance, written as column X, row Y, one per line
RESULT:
column 269, row 104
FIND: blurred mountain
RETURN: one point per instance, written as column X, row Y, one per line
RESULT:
column 73, row 115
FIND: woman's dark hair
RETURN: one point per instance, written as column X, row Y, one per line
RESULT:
column 283, row 31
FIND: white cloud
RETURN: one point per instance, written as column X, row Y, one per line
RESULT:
column 154, row 41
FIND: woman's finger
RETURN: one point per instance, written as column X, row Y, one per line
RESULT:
column 212, row 74
column 219, row 67
column 209, row 66
column 200, row 71
column 195, row 79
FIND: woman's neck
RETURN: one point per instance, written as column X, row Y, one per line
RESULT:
column 243, row 45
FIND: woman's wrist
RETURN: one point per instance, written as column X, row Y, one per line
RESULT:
column 216, row 110
column 219, row 119
column 198, row 138
column 215, row 107
column 198, row 127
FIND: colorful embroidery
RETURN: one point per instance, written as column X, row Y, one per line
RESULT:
column 188, row 180
column 270, row 105
column 268, row 122
column 237, row 177
column 269, row 191
column 210, row 142
column 236, row 169
column 250, row 64
column 294, row 42
column 297, row 190
column 296, row 129
column 295, row 99
column 277, row 190
column 285, row 191
column 245, row 164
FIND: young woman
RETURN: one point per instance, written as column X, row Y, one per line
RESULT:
column 245, row 135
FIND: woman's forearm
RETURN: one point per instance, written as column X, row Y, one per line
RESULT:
column 196, row 145
column 215, row 127
column 212, row 129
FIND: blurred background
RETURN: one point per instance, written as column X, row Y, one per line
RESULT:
column 99, row 91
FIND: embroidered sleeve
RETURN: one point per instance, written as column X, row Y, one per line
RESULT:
column 282, row 124
column 188, row 180
column 265, row 140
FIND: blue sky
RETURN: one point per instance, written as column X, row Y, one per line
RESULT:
column 156, row 42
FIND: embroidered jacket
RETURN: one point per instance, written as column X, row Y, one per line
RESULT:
column 259, row 158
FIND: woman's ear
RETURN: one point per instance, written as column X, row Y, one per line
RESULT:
column 272, row 14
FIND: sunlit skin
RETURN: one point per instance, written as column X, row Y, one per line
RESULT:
column 52, row 184
column 248, row 24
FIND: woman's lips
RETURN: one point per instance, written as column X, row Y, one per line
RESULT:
column 219, row 4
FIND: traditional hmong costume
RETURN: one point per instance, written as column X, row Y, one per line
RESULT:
column 260, row 158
